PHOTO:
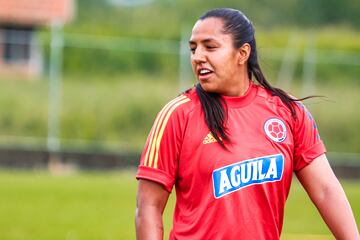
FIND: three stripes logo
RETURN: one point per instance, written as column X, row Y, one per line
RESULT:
column 209, row 139
column 157, row 131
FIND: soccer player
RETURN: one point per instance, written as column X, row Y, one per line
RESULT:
column 230, row 146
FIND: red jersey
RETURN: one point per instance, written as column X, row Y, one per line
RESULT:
column 238, row 193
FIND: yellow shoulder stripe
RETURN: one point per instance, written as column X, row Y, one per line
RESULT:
column 151, row 156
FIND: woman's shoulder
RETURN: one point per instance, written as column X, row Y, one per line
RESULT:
column 184, row 103
column 192, row 95
column 269, row 98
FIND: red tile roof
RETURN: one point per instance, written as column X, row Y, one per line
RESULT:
column 36, row 12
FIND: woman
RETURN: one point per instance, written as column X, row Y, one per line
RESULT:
column 230, row 147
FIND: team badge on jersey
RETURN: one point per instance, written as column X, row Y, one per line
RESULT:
column 275, row 129
column 236, row 176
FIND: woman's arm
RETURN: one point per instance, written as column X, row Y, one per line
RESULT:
column 150, row 203
column 327, row 194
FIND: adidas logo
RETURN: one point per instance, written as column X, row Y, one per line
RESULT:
column 209, row 139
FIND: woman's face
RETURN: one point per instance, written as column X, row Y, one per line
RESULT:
column 214, row 60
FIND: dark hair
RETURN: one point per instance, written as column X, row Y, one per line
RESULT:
column 242, row 30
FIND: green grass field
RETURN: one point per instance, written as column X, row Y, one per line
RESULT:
column 101, row 205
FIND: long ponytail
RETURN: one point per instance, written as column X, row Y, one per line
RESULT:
column 254, row 69
column 215, row 114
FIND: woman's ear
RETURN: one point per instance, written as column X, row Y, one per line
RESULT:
column 244, row 53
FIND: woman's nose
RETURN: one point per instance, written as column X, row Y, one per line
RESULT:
column 198, row 56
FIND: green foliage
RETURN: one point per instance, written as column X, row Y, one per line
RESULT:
column 108, row 61
column 163, row 19
column 115, row 109
column 98, row 205
column 117, row 112
column 114, row 86
column 24, row 109
column 338, row 118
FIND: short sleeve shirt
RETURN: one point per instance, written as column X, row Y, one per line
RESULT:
column 233, row 193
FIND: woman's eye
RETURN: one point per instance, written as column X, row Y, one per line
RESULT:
column 210, row 47
column 192, row 50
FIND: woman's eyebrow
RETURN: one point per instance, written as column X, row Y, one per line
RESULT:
column 207, row 40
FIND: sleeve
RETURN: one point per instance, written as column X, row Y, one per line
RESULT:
column 159, row 159
column 307, row 142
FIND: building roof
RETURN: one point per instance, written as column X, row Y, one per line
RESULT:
column 36, row 12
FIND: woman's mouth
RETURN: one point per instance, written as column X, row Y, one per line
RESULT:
column 204, row 73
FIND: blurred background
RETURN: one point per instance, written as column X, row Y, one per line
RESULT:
column 81, row 82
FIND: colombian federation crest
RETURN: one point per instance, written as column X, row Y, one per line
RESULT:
column 275, row 129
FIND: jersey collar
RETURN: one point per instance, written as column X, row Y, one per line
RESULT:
column 242, row 101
